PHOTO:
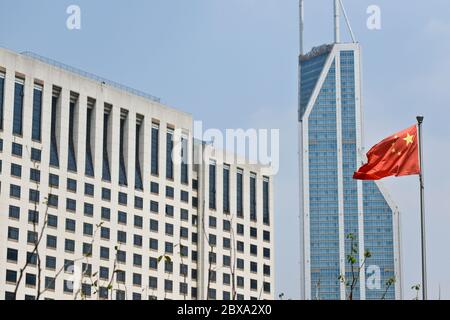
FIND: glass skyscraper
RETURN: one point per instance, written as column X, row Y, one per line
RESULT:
column 334, row 205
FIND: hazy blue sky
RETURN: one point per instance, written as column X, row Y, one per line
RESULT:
column 233, row 64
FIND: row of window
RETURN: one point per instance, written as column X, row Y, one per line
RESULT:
column 105, row 234
column 239, row 192
column 73, row 111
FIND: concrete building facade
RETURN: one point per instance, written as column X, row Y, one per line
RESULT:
column 86, row 171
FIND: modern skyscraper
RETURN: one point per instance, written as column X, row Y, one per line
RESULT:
column 88, row 177
column 333, row 205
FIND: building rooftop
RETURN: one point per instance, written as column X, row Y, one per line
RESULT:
column 89, row 75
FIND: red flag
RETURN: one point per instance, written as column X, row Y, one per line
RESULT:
column 397, row 156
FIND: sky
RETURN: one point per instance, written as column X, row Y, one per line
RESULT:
column 233, row 64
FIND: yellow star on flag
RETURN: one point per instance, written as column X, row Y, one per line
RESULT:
column 409, row 139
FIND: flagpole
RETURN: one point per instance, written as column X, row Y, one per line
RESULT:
column 422, row 211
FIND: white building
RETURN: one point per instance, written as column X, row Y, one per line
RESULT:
column 88, row 162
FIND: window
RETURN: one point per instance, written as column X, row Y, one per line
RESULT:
column 266, row 286
column 253, row 197
column 13, row 233
column 137, row 279
column 253, row 284
column 106, row 194
column 54, row 159
column 14, row 212
column 138, row 184
column 184, row 160
column 11, row 276
column 240, row 282
column 104, row 253
column 226, row 243
column 184, row 196
column 266, row 253
column 53, row 180
column 14, row 191
column 71, row 160
column 168, row 266
column 240, row 246
column 103, row 293
column 253, row 232
column 137, row 240
column 122, row 217
column 169, row 229
column 253, row 249
column 212, row 222
column 106, row 214
column 226, row 225
column 138, row 222
column 71, row 205
column 240, row 229
column 266, row 235
column 37, row 113
column 69, row 245
column 106, row 173
column 253, row 267
column 212, row 294
column 72, row 185
column 87, row 249
column 239, row 193
column 89, row 189
column 154, row 225
column 154, row 187
column 123, row 198
column 121, row 237
column 35, row 155
column 122, row 150
column 226, row 188
column 32, row 237
column 2, row 89
column 89, row 167
column 70, row 225
column 170, row 192
column 226, row 278
column 184, row 214
column 86, row 289
column 33, row 196
column 168, row 285
column 212, row 240
column 104, row 233
column 30, row 280
column 155, row 149
column 88, row 229
column 138, row 203
column 120, row 276
column 11, row 255
column 137, row 296
column 51, row 242
column 212, row 185
column 68, row 286
column 53, row 200
column 35, row 175
column 104, row 273
column 16, row 170
column 168, row 247
column 153, row 282
column 266, row 214
column 169, row 210
column 18, row 106
column 154, row 207
column 169, row 150
column 184, row 233
column 183, row 288
column 266, row 269
column 16, row 149
column 240, row 264
column 153, row 263
column 121, row 256
column 52, row 221
column 50, row 262
column 153, row 244
column 33, row 216
column 88, row 209
column 226, row 261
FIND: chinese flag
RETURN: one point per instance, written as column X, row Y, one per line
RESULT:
column 397, row 156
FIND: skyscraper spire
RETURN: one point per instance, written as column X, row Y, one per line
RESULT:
column 337, row 21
